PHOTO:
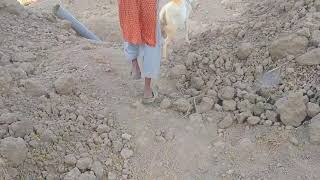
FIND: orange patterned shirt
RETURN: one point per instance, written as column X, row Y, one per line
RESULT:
column 138, row 20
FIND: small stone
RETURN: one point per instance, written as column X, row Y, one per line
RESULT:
column 126, row 153
column 229, row 105
column 230, row 172
column 226, row 122
column 126, row 136
column 112, row 176
column 73, row 174
column 70, row 160
column 268, row 122
column 313, row 109
column 84, row 163
column 165, row 103
column 276, row 124
column 253, row 120
column 14, row 150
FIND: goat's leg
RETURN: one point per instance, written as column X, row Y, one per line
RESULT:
column 165, row 45
column 187, row 26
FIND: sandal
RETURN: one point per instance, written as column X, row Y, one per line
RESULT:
column 150, row 100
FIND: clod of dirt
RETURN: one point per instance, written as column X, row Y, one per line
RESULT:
column 292, row 109
column 271, row 115
column 21, row 128
column 165, row 103
column 312, row 57
column 226, row 122
column 84, row 163
column 313, row 109
column 288, row 45
column 229, row 105
column 4, row 59
column 226, row 93
column 182, row 105
column 5, row 80
column 14, row 150
column 65, row 85
column 34, row 88
column 177, row 71
column 253, row 120
column 24, row 57
column 314, row 130
column 315, row 38
column 245, row 106
column 87, row 176
column 244, row 51
column 197, row 82
column 73, row 174
column 242, row 117
column 9, row 118
column 126, row 153
column 205, row 105
column 258, row 108
column 70, row 160
column 98, row 169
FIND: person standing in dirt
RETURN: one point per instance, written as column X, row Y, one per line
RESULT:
column 142, row 35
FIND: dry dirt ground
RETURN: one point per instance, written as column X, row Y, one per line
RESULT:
column 168, row 145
